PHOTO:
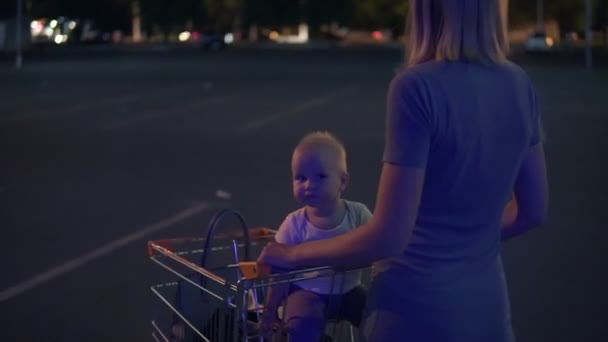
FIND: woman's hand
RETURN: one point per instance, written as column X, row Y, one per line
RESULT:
column 279, row 255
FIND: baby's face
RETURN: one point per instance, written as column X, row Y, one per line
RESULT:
column 317, row 178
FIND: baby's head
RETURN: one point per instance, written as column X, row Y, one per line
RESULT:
column 319, row 170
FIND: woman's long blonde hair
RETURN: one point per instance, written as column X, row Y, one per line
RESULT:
column 469, row 30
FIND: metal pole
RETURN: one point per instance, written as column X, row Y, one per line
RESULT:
column 540, row 20
column 136, row 21
column 19, row 57
column 588, row 38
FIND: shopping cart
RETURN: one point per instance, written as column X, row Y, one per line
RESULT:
column 212, row 294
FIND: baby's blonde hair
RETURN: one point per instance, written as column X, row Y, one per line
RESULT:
column 325, row 141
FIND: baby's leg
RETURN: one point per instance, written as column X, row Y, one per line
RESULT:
column 353, row 304
column 349, row 306
column 305, row 316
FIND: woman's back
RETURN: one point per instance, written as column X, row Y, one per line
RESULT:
column 481, row 120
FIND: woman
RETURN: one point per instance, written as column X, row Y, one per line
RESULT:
column 463, row 134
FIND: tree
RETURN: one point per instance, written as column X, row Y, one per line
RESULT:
column 322, row 12
column 374, row 14
column 107, row 15
column 569, row 14
column 273, row 12
column 170, row 16
column 223, row 14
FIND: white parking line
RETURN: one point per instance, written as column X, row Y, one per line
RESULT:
column 73, row 109
column 84, row 106
column 104, row 250
column 57, row 93
column 168, row 110
column 300, row 108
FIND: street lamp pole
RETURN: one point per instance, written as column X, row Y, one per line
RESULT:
column 588, row 33
column 18, row 34
column 540, row 16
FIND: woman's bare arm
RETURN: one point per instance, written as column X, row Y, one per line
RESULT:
column 528, row 209
column 386, row 235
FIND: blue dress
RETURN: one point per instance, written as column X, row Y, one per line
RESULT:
column 470, row 126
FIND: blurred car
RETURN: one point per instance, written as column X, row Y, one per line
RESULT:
column 539, row 42
column 572, row 36
column 215, row 41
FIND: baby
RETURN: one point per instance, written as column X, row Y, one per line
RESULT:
column 320, row 177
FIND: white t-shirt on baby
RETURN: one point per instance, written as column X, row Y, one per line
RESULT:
column 296, row 229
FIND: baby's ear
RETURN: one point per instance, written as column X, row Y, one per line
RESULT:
column 344, row 179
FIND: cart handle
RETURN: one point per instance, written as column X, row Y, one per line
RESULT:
column 252, row 270
column 213, row 226
column 254, row 233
